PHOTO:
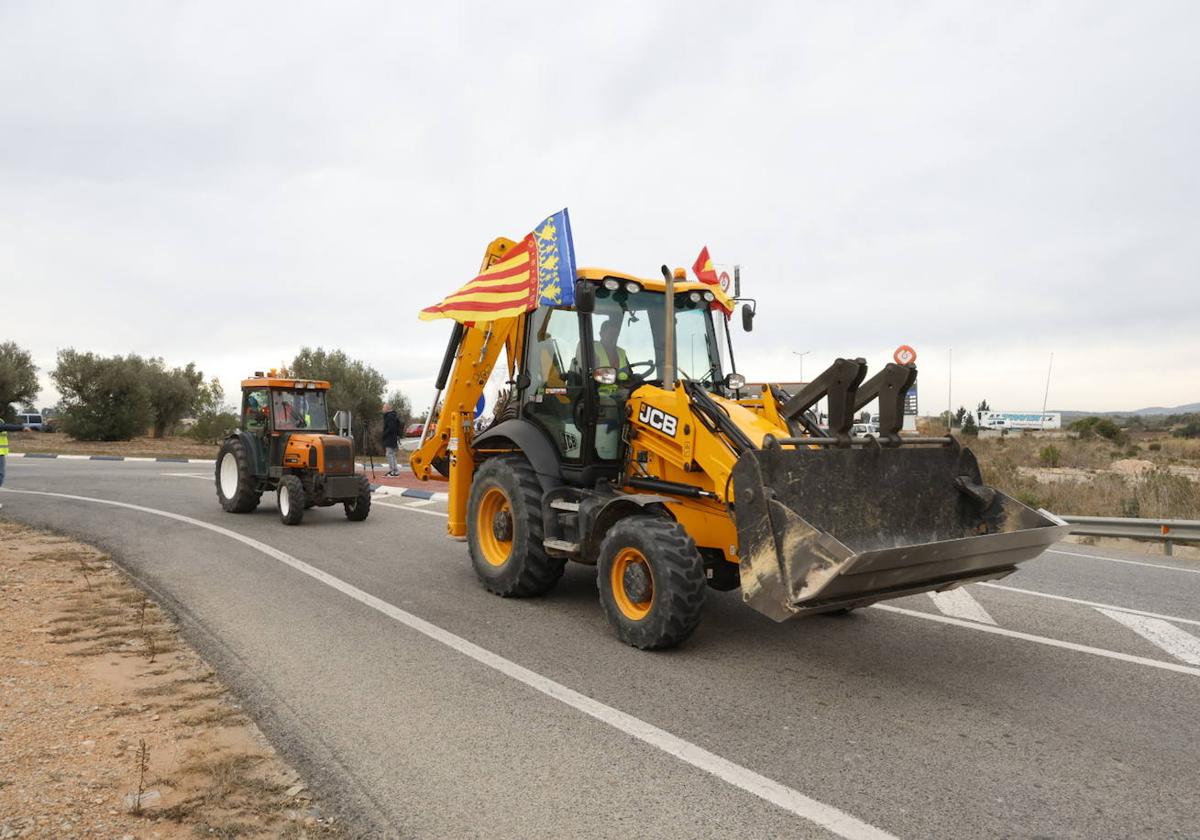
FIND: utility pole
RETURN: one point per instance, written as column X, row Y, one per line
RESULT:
column 1046, row 397
column 950, row 392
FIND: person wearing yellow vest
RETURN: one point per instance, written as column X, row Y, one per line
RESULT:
column 610, row 354
column 5, row 428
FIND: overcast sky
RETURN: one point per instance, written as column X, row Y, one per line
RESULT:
column 223, row 183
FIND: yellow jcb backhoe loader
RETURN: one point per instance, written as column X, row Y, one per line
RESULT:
column 631, row 444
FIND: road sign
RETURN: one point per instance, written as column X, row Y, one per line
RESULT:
column 910, row 401
column 479, row 407
column 724, row 276
column 905, row 355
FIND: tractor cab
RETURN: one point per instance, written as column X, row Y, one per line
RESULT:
column 584, row 362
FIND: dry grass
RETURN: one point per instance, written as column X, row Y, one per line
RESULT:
column 1012, row 464
column 106, row 698
column 141, row 447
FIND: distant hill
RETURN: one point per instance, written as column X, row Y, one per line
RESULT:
column 1179, row 409
column 1069, row 416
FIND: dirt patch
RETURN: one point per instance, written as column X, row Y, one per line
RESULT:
column 140, row 447
column 110, row 726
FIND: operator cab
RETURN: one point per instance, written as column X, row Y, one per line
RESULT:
column 272, row 403
column 585, row 365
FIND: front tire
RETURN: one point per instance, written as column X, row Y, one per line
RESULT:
column 651, row 581
column 290, row 498
column 235, row 483
column 504, row 530
column 358, row 507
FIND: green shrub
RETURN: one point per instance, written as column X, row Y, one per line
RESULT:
column 1133, row 451
column 1050, row 456
column 1155, row 447
column 213, row 426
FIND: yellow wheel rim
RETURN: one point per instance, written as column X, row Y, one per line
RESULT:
column 632, row 583
column 494, row 526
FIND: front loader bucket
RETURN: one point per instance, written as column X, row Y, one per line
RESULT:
column 834, row 528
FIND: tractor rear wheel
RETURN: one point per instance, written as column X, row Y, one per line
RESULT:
column 358, row 507
column 235, row 484
column 290, row 499
column 651, row 581
column 504, row 530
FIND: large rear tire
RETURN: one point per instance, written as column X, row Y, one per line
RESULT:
column 504, row 530
column 358, row 507
column 235, row 482
column 651, row 581
column 290, row 498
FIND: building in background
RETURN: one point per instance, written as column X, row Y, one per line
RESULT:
column 1028, row 420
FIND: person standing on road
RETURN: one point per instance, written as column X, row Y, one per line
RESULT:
column 5, row 428
column 391, row 438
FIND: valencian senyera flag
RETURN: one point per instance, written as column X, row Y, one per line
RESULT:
column 705, row 273
column 537, row 271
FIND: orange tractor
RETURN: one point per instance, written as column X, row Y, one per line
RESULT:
column 283, row 444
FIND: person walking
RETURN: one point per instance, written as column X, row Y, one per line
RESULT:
column 391, row 438
column 5, row 428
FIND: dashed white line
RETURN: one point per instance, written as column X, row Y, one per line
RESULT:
column 204, row 476
column 789, row 799
column 1096, row 604
column 1178, row 643
column 959, row 603
column 1119, row 560
column 1043, row 640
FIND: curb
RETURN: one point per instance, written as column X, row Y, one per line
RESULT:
column 164, row 460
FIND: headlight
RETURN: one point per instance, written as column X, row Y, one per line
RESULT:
column 612, row 285
column 632, row 288
column 709, row 296
column 694, row 297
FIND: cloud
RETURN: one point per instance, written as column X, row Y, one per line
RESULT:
column 224, row 184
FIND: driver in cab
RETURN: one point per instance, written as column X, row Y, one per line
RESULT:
column 610, row 354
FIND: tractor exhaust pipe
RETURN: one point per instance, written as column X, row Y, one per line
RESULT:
column 669, row 331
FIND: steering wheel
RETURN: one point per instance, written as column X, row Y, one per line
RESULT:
column 650, row 367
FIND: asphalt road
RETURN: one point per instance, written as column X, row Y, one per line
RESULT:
column 375, row 662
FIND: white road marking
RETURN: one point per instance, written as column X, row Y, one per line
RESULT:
column 1118, row 560
column 789, row 799
column 204, row 476
column 1096, row 604
column 1178, row 643
column 1043, row 640
column 412, row 509
column 419, row 503
column 959, row 603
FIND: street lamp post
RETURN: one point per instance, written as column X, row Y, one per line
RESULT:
column 801, row 355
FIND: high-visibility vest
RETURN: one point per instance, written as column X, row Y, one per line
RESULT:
column 603, row 360
column 3, row 443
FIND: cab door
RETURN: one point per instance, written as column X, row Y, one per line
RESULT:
column 556, row 399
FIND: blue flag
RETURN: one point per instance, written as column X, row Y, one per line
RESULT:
column 555, row 261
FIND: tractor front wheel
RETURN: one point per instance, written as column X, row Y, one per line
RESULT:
column 504, row 530
column 651, row 581
column 235, row 484
column 290, row 499
column 358, row 507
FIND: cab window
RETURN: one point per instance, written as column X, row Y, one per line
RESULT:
column 254, row 410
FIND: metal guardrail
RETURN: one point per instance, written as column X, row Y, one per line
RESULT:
column 1168, row 531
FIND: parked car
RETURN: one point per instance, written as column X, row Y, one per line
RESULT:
column 863, row 429
column 414, row 430
column 32, row 422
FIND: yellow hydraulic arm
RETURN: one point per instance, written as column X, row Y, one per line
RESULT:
column 475, row 349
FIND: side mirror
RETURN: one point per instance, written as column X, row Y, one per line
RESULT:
column 521, row 382
column 747, row 318
column 585, row 297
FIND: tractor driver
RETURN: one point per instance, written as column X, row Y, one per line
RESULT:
column 610, row 354
column 287, row 416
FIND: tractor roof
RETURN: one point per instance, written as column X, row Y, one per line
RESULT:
column 275, row 380
column 653, row 284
